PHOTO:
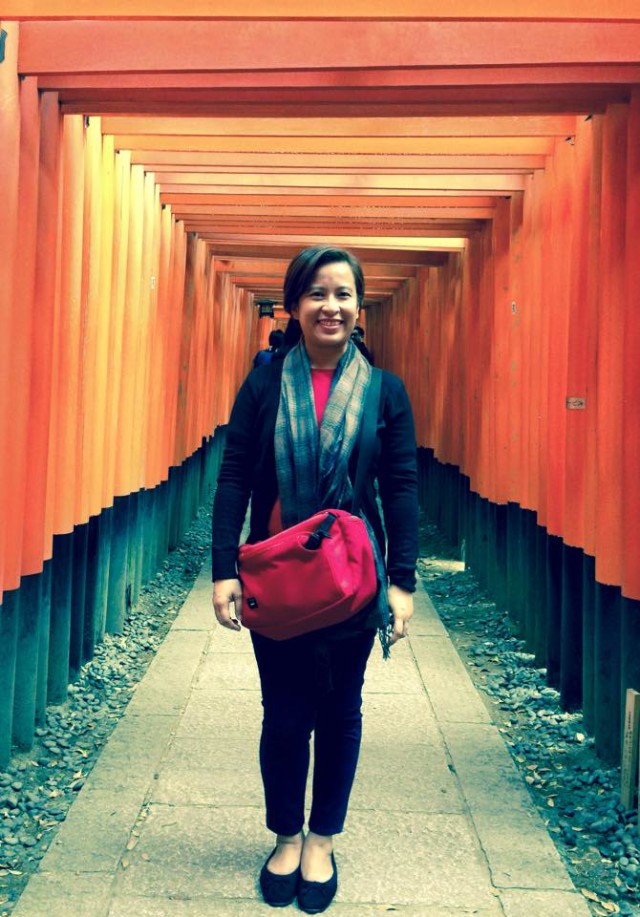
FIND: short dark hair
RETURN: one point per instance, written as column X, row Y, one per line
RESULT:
column 306, row 263
column 276, row 338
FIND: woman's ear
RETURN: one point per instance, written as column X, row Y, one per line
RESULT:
column 295, row 311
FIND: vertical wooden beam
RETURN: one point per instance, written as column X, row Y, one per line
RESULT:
column 9, row 178
column 502, row 319
column 23, row 501
column 609, row 541
column 38, row 526
column 631, row 363
column 69, row 424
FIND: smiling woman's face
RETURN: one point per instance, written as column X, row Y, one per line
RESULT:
column 328, row 310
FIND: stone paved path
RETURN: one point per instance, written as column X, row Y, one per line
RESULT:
column 170, row 822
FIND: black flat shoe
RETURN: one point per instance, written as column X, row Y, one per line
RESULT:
column 315, row 897
column 278, row 891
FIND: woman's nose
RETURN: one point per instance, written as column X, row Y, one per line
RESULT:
column 331, row 304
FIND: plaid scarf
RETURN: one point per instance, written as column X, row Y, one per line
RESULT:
column 312, row 466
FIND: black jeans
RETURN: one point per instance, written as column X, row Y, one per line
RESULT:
column 310, row 683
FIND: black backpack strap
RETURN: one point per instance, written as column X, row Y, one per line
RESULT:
column 368, row 429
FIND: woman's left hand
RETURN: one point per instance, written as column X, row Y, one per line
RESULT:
column 401, row 605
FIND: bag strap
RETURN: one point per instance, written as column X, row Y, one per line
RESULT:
column 368, row 429
column 314, row 541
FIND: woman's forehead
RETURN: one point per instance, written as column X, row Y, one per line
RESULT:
column 336, row 272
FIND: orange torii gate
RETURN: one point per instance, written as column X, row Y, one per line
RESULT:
column 159, row 171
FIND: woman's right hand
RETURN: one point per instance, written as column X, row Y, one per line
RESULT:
column 228, row 592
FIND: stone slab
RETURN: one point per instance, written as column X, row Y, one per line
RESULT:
column 133, row 752
column 520, row 903
column 225, row 715
column 230, row 671
column 393, row 719
column 519, row 851
column 95, row 833
column 384, row 858
column 205, row 771
column 167, row 684
column 451, row 691
column 201, row 907
column 213, row 907
column 425, row 621
column 396, row 675
column 224, row 640
column 197, row 851
column 65, row 894
column 197, row 612
column 485, row 768
column 405, row 778
column 412, row 858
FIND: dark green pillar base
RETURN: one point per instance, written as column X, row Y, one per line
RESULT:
column 9, row 615
column 554, row 609
column 571, row 629
column 43, row 643
column 588, row 641
column 29, row 604
column 529, row 599
column 134, row 566
column 118, row 567
column 607, row 690
column 629, row 650
column 512, row 563
column 78, row 596
column 540, row 597
column 60, row 634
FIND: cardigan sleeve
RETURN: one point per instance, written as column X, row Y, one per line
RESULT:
column 398, row 479
column 234, row 482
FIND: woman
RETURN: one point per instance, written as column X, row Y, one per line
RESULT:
column 276, row 456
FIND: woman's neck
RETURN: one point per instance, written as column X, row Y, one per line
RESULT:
column 324, row 357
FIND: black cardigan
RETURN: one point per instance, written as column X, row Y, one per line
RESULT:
column 248, row 470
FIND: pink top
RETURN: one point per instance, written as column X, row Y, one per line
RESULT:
column 321, row 382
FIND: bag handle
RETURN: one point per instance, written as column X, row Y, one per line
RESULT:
column 368, row 429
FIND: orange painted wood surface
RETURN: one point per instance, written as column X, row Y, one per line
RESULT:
column 50, row 47
column 485, row 171
column 21, row 321
column 383, row 9
column 417, row 83
column 609, row 376
column 37, row 532
column 9, row 175
column 631, row 363
column 381, row 126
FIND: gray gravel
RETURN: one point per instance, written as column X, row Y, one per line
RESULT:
column 578, row 795
column 38, row 787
